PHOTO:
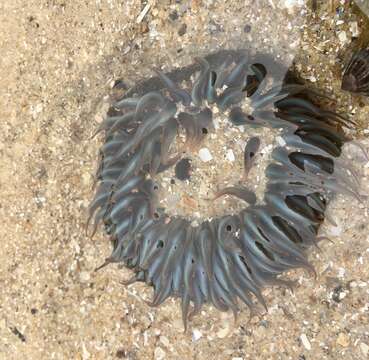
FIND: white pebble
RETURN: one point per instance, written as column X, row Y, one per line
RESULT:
column 305, row 341
column 196, row 335
column 354, row 28
column 84, row 276
column 230, row 155
column 205, row 155
column 342, row 37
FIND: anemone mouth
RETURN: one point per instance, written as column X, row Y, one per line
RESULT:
column 227, row 258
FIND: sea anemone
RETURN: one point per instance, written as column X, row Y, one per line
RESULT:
column 356, row 74
column 230, row 258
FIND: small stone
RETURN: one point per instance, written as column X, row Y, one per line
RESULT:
column 173, row 15
column 335, row 230
column 183, row 169
column 214, row 27
column 189, row 202
column 338, row 294
column 364, row 349
column 84, row 276
column 247, row 28
column 305, row 341
column 159, row 354
column 343, row 340
column 205, row 155
column 36, row 109
column 342, row 37
column 354, row 28
column 224, row 332
column 196, row 335
column 86, row 179
column 120, row 354
column 230, row 155
column 182, row 30
column 341, row 272
column 143, row 29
